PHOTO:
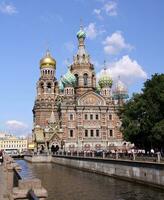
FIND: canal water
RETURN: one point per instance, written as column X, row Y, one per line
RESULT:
column 64, row 183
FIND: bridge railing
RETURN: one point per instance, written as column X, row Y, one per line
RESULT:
column 156, row 157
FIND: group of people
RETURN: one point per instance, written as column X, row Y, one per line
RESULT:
column 41, row 150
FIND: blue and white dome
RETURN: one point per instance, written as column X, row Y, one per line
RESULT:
column 68, row 79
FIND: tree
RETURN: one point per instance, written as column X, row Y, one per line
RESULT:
column 143, row 115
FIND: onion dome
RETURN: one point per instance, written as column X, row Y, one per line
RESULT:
column 61, row 86
column 105, row 79
column 120, row 91
column 68, row 79
column 81, row 34
column 47, row 61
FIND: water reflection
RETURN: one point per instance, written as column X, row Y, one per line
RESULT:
column 65, row 183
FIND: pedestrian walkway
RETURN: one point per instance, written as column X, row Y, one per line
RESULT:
column 3, row 184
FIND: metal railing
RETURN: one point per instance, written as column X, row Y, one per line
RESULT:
column 156, row 157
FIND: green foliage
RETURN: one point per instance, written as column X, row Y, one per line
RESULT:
column 143, row 115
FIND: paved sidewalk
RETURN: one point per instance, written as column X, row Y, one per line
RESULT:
column 3, row 184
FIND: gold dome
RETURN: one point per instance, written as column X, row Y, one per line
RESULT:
column 47, row 61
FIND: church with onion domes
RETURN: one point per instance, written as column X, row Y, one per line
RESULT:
column 77, row 112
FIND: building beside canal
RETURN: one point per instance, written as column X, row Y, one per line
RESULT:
column 10, row 143
column 77, row 112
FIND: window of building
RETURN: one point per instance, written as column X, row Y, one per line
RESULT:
column 77, row 79
column 97, row 116
column 86, row 116
column 110, row 117
column 71, row 117
column 71, row 133
column 91, row 116
column 111, row 133
column 97, row 133
column 49, row 87
column 86, row 133
column 92, row 134
column 85, row 77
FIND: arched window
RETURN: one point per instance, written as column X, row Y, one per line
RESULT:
column 42, row 87
column 77, row 79
column 86, row 133
column 97, row 133
column 85, row 77
column 71, row 133
column 49, row 87
column 71, row 117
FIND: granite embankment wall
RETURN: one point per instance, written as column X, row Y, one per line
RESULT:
column 38, row 159
column 141, row 172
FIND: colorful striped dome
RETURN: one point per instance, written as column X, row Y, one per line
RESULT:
column 105, row 79
column 81, row 34
column 68, row 79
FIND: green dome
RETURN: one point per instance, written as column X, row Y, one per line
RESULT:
column 81, row 34
column 105, row 80
column 61, row 86
column 98, row 88
column 68, row 79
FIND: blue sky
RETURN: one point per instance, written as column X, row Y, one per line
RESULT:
column 129, row 35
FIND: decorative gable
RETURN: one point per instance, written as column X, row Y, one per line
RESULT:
column 91, row 99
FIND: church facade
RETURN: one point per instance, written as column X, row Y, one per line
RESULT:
column 77, row 112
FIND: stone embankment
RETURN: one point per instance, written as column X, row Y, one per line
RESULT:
column 13, row 187
column 146, row 172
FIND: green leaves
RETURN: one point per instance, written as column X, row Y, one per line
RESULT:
column 143, row 115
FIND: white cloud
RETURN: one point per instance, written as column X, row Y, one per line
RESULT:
column 98, row 13
column 115, row 43
column 14, row 124
column 69, row 46
column 129, row 70
column 8, row 9
column 92, row 31
column 109, row 8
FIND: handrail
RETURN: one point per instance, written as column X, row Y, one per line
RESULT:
column 155, row 158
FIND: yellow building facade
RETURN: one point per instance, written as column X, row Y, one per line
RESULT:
column 11, row 143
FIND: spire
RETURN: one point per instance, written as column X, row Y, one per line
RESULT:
column 52, row 118
column 81, row 24
column 68, row 63
column 104, row 65
column 48, row 53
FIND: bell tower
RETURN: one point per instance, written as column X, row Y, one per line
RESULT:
column 82, row 68
column 46, row 91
